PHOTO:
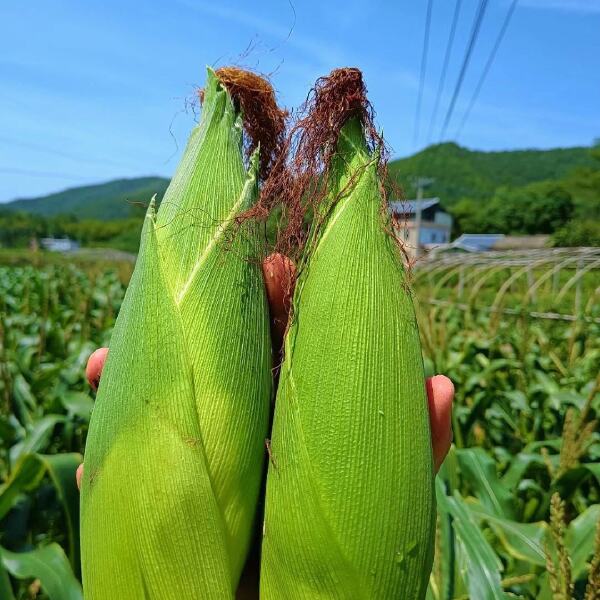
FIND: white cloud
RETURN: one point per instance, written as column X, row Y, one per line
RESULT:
column 580, row 6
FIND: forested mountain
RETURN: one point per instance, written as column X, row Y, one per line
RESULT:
column 457, row 172
column 462, row 173
column 514, row 192
column 106, row 201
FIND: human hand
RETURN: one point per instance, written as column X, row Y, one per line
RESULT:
column 278, row 273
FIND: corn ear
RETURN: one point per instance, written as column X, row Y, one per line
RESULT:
column 174, row 453
column 350, row 507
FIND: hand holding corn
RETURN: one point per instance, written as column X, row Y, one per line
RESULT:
column 440, row 395
column 276, row 271
column 351, row 436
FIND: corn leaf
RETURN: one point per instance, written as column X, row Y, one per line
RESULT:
column 6, row 591
column 36, row 438
column 48, row 564
column 482, row 566
column 27, row 476
column 580, row 538
column 480, row 472
column 524, row 541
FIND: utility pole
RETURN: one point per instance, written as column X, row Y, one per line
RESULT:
column 421, row 183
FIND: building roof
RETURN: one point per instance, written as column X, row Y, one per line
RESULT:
column 477, row 242
column 409, row 207
column 49, row 240
column 522, row 242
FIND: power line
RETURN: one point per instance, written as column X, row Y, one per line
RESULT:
column 442, row 82
column 488, row 65
column 473, row 38
column 423, row 70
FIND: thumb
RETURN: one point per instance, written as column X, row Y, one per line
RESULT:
column 279, row 273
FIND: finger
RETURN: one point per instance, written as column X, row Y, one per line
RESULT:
column 94, row 367
column 440, row 394
column 79, row 475
column 279, row 273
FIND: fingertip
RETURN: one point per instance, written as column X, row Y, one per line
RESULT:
column 279, row 273
column 443, row 389
column 440, row 395
column 94, row 366
column 79, row 475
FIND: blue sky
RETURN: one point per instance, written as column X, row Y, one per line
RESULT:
column 91, row 91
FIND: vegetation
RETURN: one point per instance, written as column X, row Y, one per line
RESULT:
column 514, row 192
column 51, row 317
column 578, row 233
column 538, row 208
column 525, row 466
column 183, row 408
column 526, row 403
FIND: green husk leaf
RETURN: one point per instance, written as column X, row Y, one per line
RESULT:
column 350, row 505
column 174, row 457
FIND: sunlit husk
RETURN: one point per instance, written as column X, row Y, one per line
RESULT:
column 350, row 503
column 174, row 454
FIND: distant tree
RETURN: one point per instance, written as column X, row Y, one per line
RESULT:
column 578, row 233
column 549, row 206
column 468, row 217
column 595, row 150
column 18, row 228
column 536, row 208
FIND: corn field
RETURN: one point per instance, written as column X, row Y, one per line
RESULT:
column 518, row 496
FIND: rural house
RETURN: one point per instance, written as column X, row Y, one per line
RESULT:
column 423, row 219
column 59, row 244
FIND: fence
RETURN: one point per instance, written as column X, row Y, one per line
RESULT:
column 558, row 284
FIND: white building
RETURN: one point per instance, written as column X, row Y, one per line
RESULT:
column 435, row 223
column 59, row 244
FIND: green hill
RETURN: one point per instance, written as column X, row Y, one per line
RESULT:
column 105, row 201
column 459, row 172
column 518, row 191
